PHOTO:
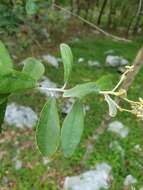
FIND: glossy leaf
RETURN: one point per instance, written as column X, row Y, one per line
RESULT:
column 106, row 82
column 72, row 129
column 15, row 81
column 4, row 70
column 67, row 59
column 82, row 90
column 34, row 68
column 5, row 59
column 112, row 105
column 31, row 7
column 48, row 129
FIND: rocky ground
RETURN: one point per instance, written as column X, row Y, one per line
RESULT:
column 117, row 160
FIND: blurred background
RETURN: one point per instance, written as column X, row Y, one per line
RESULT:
column 105, row 36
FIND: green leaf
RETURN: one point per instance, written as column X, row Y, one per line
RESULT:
column 112, row 105
column 31, row 7
column 106, row 82
column 5, row 59
column 4, row 70
column 33, row 67
column 67, row 59
column 15, row 81
column 48, row 129
column 3, row 105
column 82, row 90
column 72, row 129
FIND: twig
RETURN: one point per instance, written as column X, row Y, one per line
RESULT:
column 51, row 89
column 93, row 25
column 107, row 119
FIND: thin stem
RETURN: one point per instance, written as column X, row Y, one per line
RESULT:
column 130, row 101
column 125, row 110
column 108, row 92
column 64, row 86
column 123, row 77
column 119, row 83
column 51, row 89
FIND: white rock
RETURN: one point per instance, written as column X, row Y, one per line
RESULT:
column 67, row 104
column 94, row 63
column 90, row 180
column 51, row 60
column 45, row 33
column 74, row 40
column 14, row 57
column 59, row 59
column 18, row 164
column 81, row 60
column 46, row 161
column 129, row 180
column 20, row 116
column 139, row 30
column 138, row 147
column 118, row 128
column 124, row 62
column 47, row 83
column 116, row 61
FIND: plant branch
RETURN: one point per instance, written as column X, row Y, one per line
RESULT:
column 107, row 119
column 51, row 89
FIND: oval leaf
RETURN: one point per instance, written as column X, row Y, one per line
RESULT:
column 34, row 68
column 5, row 59
column 48, row 129
column 106, row 82
column 112, row 105
column 4, row 71
column 67, row 59
column 15, row 81
column 72, row 129
column 82, row 90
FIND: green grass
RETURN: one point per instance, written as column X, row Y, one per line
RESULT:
column 40, row 177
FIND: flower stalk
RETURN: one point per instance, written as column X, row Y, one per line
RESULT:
column 136, row 106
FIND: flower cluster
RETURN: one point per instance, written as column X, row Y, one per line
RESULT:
column 137, row 108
